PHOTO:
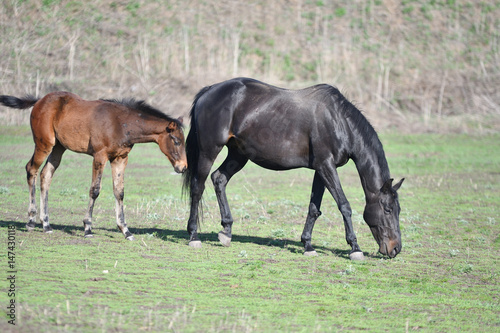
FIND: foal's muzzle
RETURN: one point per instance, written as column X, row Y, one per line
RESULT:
column 180, row 167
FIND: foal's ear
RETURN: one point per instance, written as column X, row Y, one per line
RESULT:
column 386, row 188
column 181, row 119
column 398, row 185
column 171, row 127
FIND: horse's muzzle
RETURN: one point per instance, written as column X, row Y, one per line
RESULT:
column 180, row 168
column 390, row 248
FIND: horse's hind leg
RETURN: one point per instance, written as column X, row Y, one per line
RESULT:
column 97, row 169
column 32, row 167
column 197, row 189
column 234, row 162
column 318, row 189
column 45, row 179
column 118, row 170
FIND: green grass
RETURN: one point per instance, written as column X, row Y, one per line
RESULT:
column 446, row 279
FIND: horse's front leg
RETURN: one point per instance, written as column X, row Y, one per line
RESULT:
column 318, row 189
column 331, row 179
column 97, row 170
column 118, row 171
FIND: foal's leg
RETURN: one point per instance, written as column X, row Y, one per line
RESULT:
column 45, row 179
column 330, row 177
column 40, row 154
column 318, row 189
column 118, row 171
column 97, row 169
column 234, row 162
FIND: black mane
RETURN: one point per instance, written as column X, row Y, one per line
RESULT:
column 142, row 106
column 362, row 127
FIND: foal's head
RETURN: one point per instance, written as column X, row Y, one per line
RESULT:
column 171, row 143
column 382, row 215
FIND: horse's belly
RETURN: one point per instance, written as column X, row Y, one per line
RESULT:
column 73, row 136
column 80, row 145
column 275, row 154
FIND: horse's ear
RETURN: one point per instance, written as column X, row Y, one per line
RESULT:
column 171, row 127
column 181, row 119
column 398, row 185
column 386, row 188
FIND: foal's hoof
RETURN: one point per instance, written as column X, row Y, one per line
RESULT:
column 224, row 239
column 30, row 226
column 311, row 253
column 357, row 256
column 195, row 244
column 130, row 238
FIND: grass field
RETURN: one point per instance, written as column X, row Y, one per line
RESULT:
column 445, row 280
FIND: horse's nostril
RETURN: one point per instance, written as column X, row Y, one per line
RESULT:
column 180, row 168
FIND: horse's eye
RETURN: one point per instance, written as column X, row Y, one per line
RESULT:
column 176, row 141
column 387, row 210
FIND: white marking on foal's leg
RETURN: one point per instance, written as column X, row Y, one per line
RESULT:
column 87, row 225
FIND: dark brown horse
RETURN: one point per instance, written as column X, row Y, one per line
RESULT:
column 279, row 129
column 104, row 129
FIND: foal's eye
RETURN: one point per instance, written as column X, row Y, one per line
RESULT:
column 176, row 142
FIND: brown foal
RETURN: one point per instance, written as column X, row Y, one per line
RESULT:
column 104, row 129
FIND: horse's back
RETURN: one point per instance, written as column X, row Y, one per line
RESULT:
column 68, row 118
column 270, row 125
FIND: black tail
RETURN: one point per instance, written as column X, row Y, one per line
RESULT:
column 193, row 153
column 18, row 103
column 192, row 147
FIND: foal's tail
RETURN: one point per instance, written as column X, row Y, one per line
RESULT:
column 18, row 103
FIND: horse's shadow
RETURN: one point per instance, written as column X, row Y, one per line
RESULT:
column 181, row 236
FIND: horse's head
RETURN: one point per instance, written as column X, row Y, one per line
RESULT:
column 382, row 215
column 171, row 143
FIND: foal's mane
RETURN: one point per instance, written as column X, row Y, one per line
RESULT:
column 142, row 106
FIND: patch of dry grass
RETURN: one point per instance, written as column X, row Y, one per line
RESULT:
column 411, row 65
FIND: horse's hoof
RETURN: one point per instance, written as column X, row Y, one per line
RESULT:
column 30, row 226
column 195, row 244
column 311, row 253
column 48, row 230
column 357, row 256
column 226, row 241
column 89, row 235
column 130, row 238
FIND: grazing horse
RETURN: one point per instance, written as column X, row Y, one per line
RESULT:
column 279, row 129
column 104, row 129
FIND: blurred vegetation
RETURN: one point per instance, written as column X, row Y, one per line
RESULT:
column 413, row 65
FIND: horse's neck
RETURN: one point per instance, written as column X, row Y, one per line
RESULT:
column 145, row 130
column 372, row 166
